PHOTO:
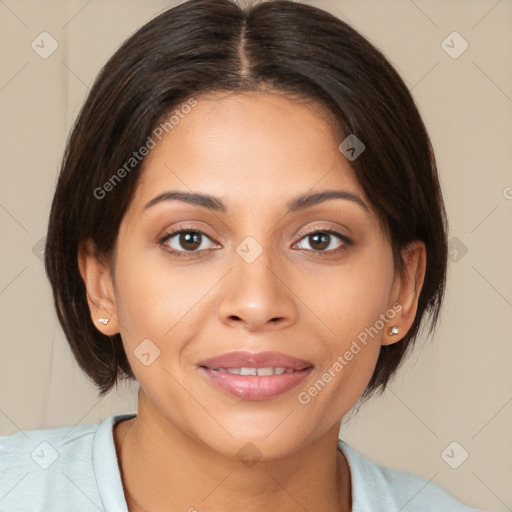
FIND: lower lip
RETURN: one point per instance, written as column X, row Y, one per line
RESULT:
column 254, row 387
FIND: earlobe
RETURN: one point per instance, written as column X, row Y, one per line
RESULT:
column 406, row 292
column 99, row 288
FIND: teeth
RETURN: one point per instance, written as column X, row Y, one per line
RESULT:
column 265, row 371
column 255, row 371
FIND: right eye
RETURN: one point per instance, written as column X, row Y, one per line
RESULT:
column 185, row 240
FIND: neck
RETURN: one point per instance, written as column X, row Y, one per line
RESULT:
column 164, row 469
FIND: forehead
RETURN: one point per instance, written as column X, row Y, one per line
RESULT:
column 257, row 147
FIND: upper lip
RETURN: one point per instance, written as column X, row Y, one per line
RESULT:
column 244, row 359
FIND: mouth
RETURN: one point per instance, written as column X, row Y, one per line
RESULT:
column 255, row 376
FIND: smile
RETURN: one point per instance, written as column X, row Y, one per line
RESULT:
column 255, row 376
column 254, row 371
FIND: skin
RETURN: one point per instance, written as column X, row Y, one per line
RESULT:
column 255, row 152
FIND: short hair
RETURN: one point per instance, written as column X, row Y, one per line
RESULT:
column 208, row 46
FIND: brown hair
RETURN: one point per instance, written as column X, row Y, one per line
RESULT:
column 204, row 46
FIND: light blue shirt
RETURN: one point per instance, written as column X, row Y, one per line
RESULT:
column 76, row 468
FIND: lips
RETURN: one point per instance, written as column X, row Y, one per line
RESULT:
column 255, row 376
column 244, row 359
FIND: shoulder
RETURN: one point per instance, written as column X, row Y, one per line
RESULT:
column 51, row 468
column 41, row 449
column 378, row 488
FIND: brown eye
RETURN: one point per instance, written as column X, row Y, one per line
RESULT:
column 319, row 241
column 189, row 240
column 324, row 241
column 185, row 240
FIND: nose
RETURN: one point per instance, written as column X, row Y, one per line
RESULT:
column 256, row 296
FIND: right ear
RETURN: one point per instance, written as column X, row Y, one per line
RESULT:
column 99, row 288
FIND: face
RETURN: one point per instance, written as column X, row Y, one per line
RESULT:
column 253, row 275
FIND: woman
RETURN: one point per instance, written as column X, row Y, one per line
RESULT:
column 248, row 221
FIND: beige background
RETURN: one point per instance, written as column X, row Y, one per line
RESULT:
column 456, row 388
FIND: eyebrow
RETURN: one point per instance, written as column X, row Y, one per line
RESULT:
column 299, row 203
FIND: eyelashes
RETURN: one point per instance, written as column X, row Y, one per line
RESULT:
column 192, row 242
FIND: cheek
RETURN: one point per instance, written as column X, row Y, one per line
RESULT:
column 358, row 294
column 357, row 313
column 160, row 302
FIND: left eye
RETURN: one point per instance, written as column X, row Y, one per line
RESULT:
column 322, row 241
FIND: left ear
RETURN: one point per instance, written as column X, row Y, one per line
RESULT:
column 406, row 291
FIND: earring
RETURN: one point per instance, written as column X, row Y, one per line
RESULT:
column 103, row 321
column 393, row 330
